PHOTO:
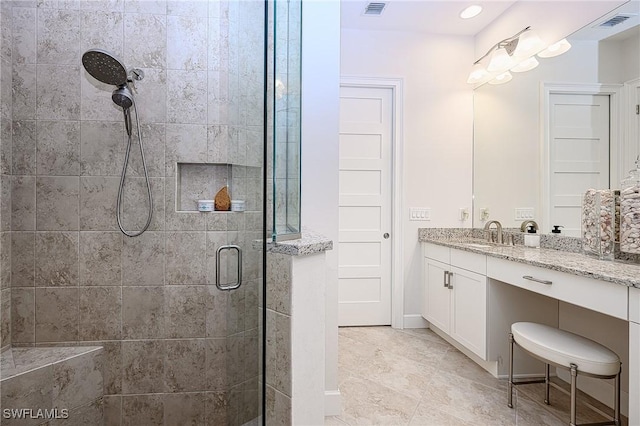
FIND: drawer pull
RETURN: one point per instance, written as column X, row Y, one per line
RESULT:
column 530, row 278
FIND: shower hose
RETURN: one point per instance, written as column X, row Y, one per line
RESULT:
column 127, row 122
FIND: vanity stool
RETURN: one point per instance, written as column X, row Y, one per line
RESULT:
column 565, row 350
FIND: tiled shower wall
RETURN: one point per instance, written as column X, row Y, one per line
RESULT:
column 176, row 348
column 278, row 338
column 5, row 174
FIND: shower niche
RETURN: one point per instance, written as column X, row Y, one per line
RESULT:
column 202, row 181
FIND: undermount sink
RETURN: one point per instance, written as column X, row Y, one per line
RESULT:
column 475, row 245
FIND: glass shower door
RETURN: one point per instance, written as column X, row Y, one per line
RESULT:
column 238, row 256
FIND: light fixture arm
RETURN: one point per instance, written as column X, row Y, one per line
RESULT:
column 509, row 44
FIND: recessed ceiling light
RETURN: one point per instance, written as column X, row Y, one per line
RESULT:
column 471, row 11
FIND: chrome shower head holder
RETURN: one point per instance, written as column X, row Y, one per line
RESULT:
column 135, row 74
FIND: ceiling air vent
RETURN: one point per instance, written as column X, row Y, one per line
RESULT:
column 374, row 9
column 618, row 19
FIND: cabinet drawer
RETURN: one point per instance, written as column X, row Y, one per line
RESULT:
column 436, row 252
column 600, row 296
column 473, row 262
column 634, row 304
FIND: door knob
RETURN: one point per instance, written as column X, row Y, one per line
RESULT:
column 386, row 235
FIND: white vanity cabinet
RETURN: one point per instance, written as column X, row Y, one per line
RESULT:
column 455, row 295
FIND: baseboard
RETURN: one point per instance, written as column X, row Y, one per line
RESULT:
column 414, row 321
column 332, row 403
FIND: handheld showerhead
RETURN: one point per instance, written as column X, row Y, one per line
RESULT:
column 122, row 97
column 105, row 67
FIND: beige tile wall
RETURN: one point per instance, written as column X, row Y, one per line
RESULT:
column 176, row 348
column 6, row 113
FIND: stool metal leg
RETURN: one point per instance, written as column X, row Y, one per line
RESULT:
column 510, row 384
column 574, row 374
column 616, row 407
column 546, row 384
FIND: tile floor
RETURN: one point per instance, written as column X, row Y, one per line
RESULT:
column 413, row 377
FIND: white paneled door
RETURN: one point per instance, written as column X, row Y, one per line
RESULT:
column 364, row 255
column 578, row 154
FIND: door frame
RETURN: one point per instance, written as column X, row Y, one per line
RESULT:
column 397, row 273
column 615, row 152
column 631, row 146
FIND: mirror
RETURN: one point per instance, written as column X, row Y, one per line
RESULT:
column 539, row 140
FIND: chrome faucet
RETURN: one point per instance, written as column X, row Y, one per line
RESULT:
column 526, row 223
column 487, row 227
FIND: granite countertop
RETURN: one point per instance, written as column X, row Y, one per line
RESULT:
column 618, row 272
column 309, row 243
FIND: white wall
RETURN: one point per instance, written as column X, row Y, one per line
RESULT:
column 438, row 127
column 319, row 156
column 619, row 61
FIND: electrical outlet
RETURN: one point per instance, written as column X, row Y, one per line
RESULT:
column 484, row 214
column 524, row 213
column 464, row 214
column 419, row 213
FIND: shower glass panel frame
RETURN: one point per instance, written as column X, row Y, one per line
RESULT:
column 285, row 83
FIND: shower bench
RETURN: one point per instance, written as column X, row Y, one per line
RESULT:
column 43, row 383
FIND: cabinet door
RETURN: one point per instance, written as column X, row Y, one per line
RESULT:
column 437, row 295
column 469, row 310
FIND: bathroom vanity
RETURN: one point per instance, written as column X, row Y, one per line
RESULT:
column 474, row 290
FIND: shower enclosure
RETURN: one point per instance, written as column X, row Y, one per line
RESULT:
column 136, row 325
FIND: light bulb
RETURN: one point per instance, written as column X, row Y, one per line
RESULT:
column 555, row 49
column 500, row 61
column 478, row 73
column 526, row 65
column 502, row 78
column 528, row 44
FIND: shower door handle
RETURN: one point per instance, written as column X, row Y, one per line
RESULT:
column 237, row 283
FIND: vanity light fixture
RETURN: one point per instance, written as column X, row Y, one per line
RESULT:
column 515, row 53
column 500, row 60
column 555, row 49
column 471, row 11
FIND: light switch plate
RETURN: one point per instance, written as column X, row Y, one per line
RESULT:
column 524, row 213
column 420, row 213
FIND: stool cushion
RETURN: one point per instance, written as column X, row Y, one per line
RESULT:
column 563, row 348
